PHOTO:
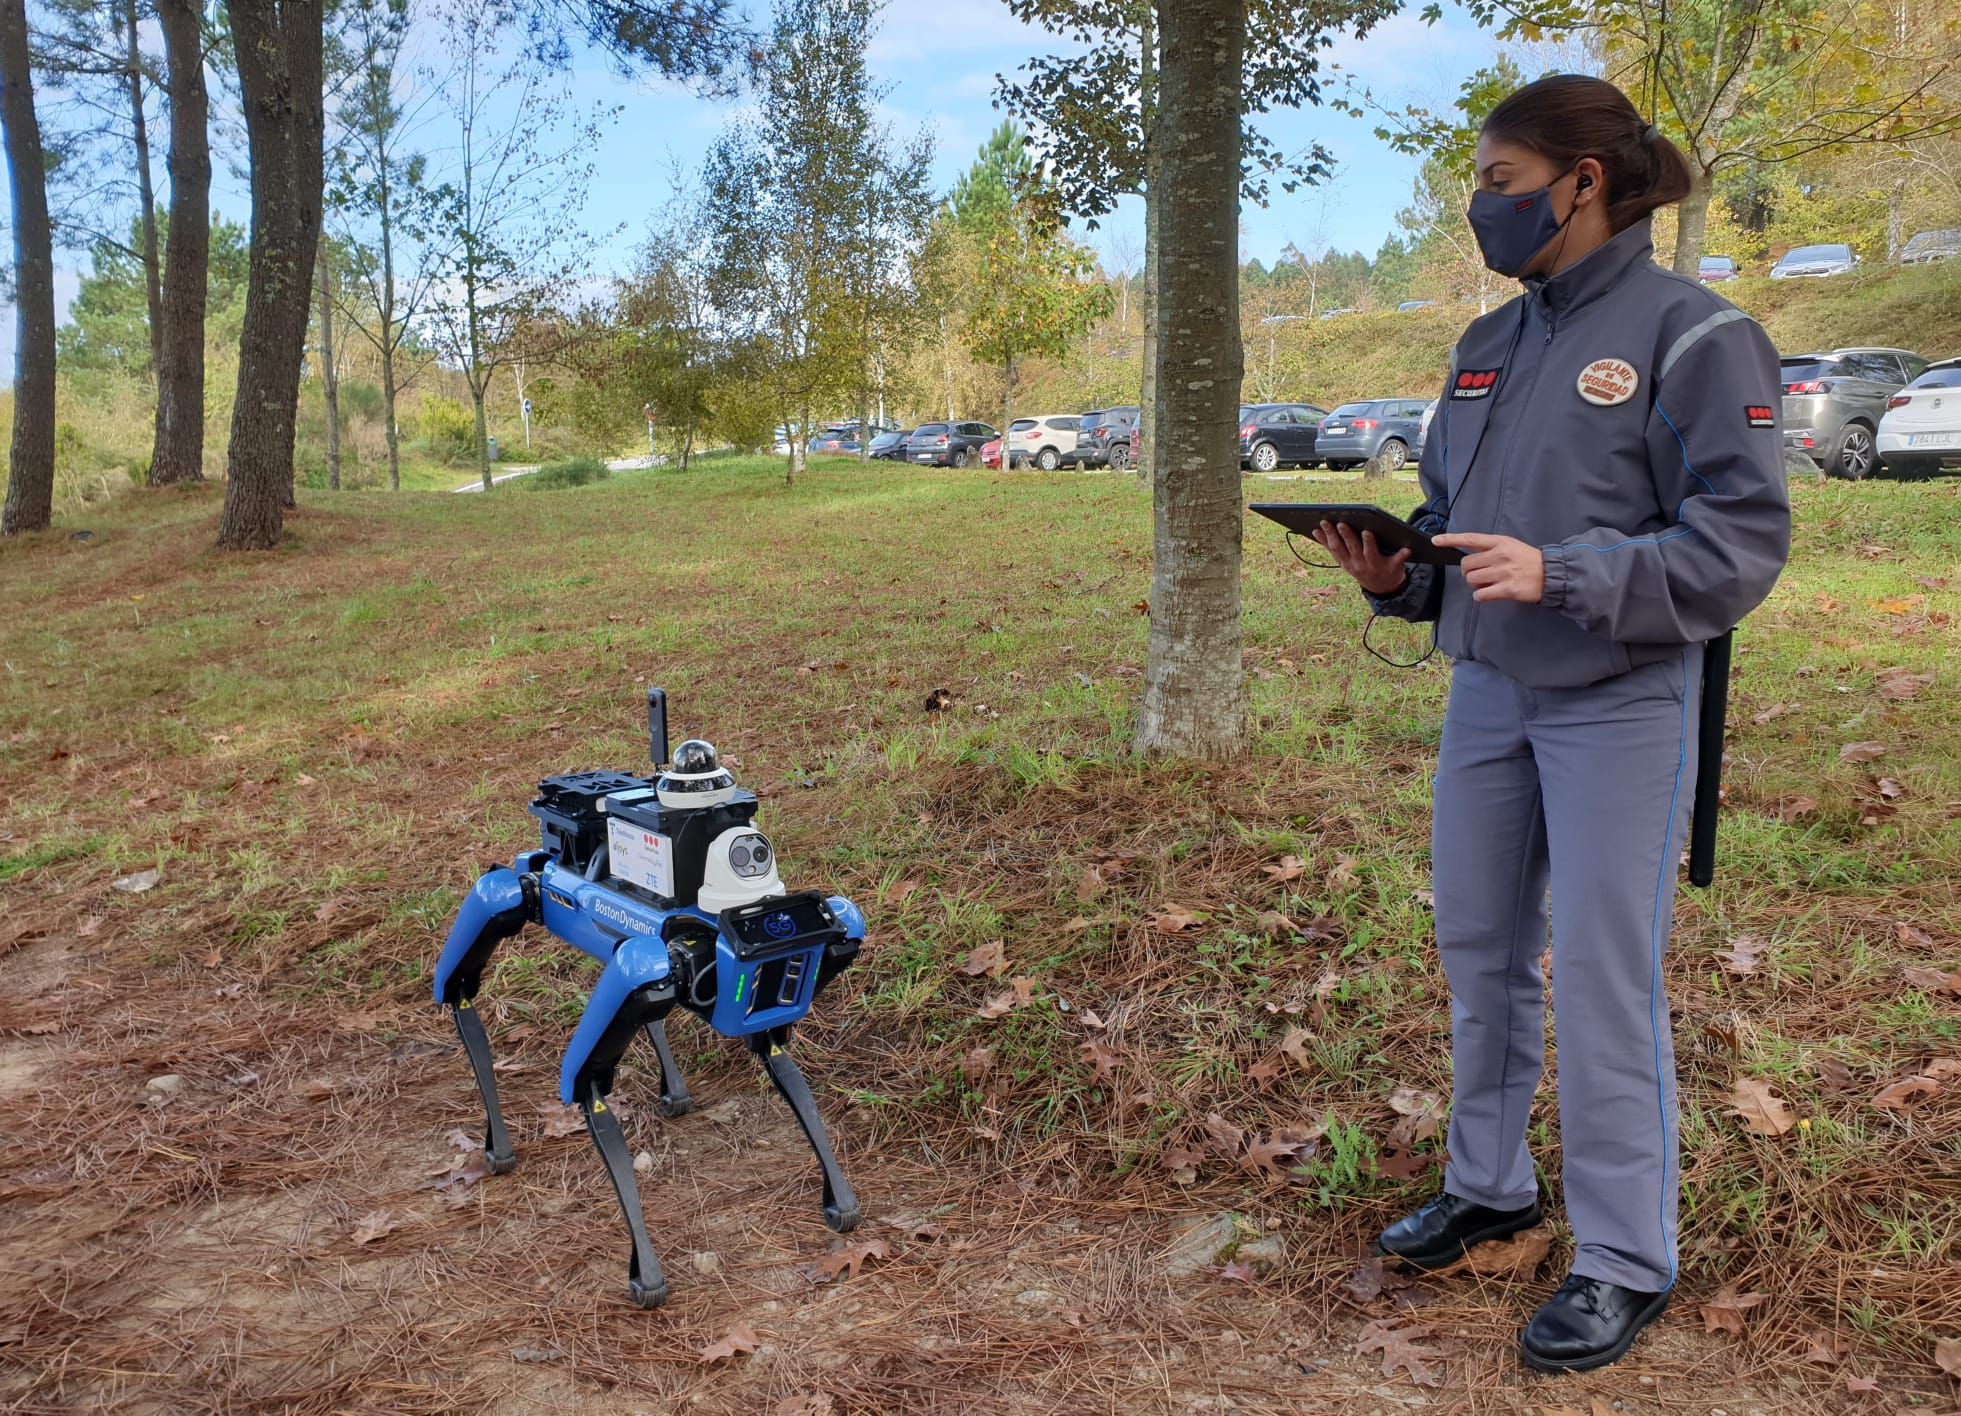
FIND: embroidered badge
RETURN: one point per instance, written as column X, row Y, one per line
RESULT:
column 1760, row 416
column 1608, row 381
column 1474, row 383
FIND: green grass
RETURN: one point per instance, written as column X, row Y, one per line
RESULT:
column 321, row 745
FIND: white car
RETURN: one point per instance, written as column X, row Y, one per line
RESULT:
column 1921, row 428
column 1043, row 440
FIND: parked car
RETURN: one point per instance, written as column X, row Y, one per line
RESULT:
column 1833, row 403
column 890, row 447
column 1379, row 427
column 1931, row 246
column 835, row 437
column 1921, row 428
column 1338, row 313
column 1801, row 261
column 947, row 444
column 1043, row 439
column 1714, row 270
column 1102, row 439
column 1409, row 305
column 1423, row 429
column 1278, row 434
column 990, row 454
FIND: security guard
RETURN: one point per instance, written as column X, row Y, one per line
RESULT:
column 1608, row 456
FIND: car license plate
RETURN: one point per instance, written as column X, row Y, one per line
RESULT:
column 1327, row 428
column 1932, row 440
column 923, row 457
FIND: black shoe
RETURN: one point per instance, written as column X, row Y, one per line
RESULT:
column 1588, row 1323
column 1437, row 1235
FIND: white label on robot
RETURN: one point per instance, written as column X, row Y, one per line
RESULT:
column 641, row 857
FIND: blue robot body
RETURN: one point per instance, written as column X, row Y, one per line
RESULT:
column 668, row 886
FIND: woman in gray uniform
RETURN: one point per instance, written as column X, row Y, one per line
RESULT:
column 1607, row 455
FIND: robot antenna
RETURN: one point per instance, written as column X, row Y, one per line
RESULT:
column 657, row 725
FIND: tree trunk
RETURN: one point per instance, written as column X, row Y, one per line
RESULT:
column 1007, row 411
column 1192, row 703
column 1690, row 219
column 146, row 200
column 177, row 455
column 390, row 429
column 1895, row 218
column 478, row 392
column 1151, row 109
column 30, row 483
column 278, row 45
column 329, row 375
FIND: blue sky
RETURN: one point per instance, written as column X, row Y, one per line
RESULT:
column 940, row 58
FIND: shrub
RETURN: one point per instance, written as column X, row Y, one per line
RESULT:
column 567, row 472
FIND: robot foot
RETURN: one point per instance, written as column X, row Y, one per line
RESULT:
column 674, row 1098
column 840, row 1204
column 646, row 1285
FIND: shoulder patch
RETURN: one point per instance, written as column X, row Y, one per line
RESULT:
column 1474, row 383
column 1760, row 415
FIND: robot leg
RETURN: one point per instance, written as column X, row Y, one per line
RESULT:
column 497, row 907
column 840, row 1204
column 634, row 992
column 674, row 1098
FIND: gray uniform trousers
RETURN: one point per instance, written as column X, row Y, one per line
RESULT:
column 1587, row 789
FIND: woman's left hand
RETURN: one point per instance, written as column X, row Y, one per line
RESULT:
column 1499, row 567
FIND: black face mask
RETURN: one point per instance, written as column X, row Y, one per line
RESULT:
column 1511, row 230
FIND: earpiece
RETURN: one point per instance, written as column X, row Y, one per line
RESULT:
column 1584, row 182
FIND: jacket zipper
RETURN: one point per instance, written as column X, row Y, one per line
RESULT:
column 1498, row 506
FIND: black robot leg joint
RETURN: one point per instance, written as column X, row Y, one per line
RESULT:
column 499, row 1157
column 674, row 1098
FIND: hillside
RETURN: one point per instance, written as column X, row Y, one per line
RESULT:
column 1376, row 355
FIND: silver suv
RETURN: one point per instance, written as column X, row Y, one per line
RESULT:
column 1833, row 403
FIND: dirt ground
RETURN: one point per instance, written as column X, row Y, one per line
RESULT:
column 290, row 1224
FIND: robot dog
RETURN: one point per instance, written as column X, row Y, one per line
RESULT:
column 669, row 886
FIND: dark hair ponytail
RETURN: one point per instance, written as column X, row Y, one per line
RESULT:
column 1566, row 117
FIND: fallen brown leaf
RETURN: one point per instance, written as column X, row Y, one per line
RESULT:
column 1743, row 954
column 1796, row 809
column 560, row 1120
column 1420, row 1113
column 976, row 1065
column 848, row 1260
column 1233, row 1272
column 1763, row 1114
column 814, row 1403
column 1861, row 751
column 1933, row 980
column 1724, row 1311
column 1860, row 1386
column 990, row 958
column 370, row 1227
column 1272, row 1156
column 1947, row 1355
column 1342, row 877
column 1823, row 1348
column 1906, row 1093
column 1170, row 919
column 999, row 1006
column 1400, row 1350
column 1225, row 1136
column 1291, row 867
column 1101, row 1057
column 741, row 1338
column 1519, row 1256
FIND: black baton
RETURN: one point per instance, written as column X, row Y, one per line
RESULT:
column 1709, row 755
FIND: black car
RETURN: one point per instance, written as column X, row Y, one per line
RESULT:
column 947, row 444
column 1278, row 434
column 890, row 447
column 1104, row 440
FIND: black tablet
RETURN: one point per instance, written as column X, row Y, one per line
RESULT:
column 1392, row 533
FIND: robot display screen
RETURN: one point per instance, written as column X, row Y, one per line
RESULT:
column 775, row 922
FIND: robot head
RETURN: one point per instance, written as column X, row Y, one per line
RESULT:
column 740, row 869
column 695, row 777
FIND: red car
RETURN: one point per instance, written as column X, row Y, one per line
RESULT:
column 991, row 454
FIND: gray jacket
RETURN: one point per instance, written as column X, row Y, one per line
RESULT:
column 1626, row 421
